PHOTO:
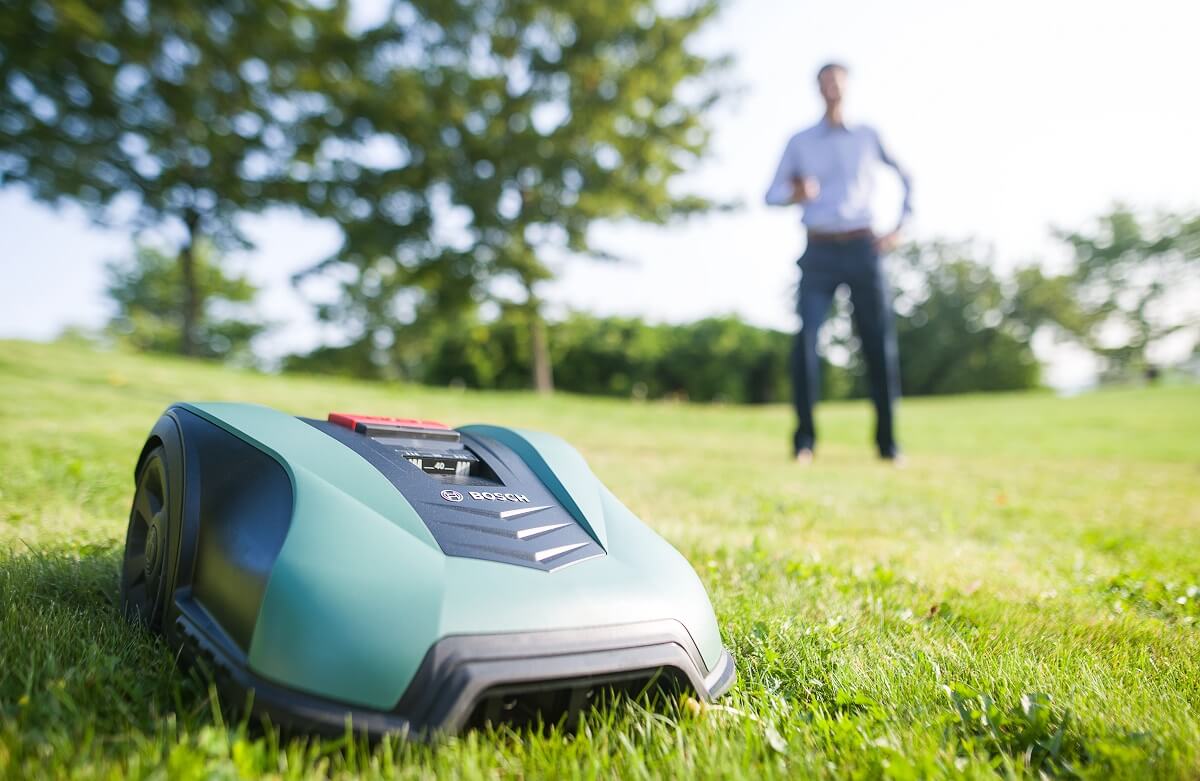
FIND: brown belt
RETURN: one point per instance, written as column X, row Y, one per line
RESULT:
column 843, row 236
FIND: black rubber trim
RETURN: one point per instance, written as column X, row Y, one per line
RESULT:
column 459, row 671
column 243, row 510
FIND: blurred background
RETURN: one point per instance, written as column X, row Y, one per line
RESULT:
column 520, row 193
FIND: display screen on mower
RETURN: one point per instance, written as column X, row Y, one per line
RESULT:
column 434, row 447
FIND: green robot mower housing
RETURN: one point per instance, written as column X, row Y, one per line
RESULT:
column 404, row 575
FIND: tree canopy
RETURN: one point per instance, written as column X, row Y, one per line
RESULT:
column 168, row 115
column 489, row 138
column 148, row 295
column 959, row 326
column 1135, row 282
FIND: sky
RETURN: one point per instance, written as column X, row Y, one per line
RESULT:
column 1012, row 118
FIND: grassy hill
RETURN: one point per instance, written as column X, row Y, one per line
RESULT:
column 1025, row 596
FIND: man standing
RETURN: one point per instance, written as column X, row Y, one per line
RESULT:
column 829, row 170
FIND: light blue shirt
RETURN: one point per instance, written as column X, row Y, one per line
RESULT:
column 844, row 161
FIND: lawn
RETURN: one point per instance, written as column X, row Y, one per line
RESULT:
column 1023, row 598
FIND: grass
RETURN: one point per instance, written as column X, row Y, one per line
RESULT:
column 1023, row 599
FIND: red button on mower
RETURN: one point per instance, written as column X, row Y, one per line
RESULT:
column 353, row 422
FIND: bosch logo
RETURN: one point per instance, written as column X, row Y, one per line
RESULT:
column 488, row 495
column 452, row 496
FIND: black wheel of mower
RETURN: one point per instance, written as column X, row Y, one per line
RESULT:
column 144, row 569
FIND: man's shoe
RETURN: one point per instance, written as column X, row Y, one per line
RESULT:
column 895, row 458
column 804, row 456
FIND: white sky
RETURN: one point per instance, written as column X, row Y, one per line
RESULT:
column 1012, row 117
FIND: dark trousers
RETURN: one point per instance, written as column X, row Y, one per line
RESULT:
column 827, row 265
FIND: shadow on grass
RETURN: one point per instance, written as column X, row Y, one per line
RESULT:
column 72, row 671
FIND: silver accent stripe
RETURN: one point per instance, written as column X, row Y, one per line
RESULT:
column 506, row 514
column 501, row 514
column 534, row 531
column 550, row 553
column 540, row 536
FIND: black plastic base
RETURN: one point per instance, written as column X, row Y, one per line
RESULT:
column 469, row 680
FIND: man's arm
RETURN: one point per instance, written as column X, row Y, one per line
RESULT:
column 789, row 185
column 891, row 240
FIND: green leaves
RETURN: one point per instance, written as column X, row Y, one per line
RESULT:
column 459, row 146
column 147, row 112
column 1132, row 285
column 524, row 122
column 149, row 294
column 167, row 114
column 960, row 327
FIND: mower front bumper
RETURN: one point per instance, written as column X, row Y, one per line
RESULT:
column 469, row 680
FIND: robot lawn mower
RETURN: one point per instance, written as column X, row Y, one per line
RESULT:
column 405, row 576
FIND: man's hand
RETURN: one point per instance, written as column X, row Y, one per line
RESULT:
column 805, row 188
column 887, row 242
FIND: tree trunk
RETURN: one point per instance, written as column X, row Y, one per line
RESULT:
column 191, row 296
column 539, row 345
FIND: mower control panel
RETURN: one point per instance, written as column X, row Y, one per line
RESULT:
column 477, row 496
column 435, row 448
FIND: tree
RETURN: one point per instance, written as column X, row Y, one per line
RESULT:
column 503, row 130
column 166, row 114
column 1134, row 283
column 956, row 330
column 148, row 293
column 958, row 326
